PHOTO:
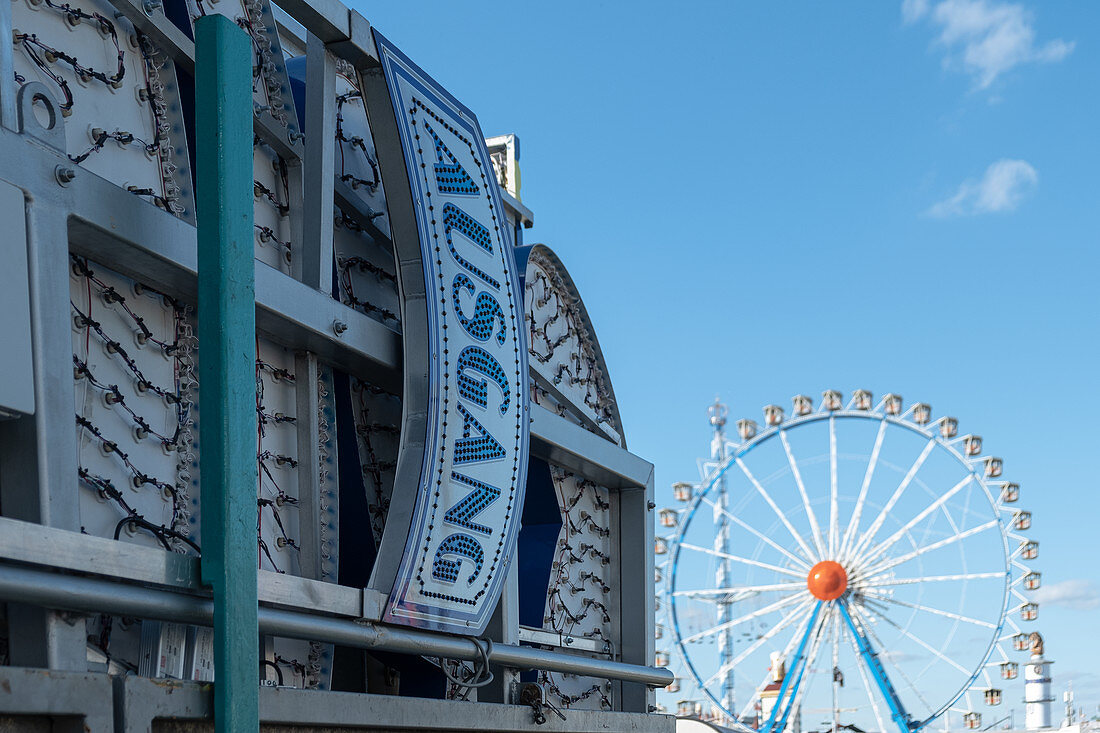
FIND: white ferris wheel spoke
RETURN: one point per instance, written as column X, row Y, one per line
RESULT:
column 870, row 631
column 770, row 608
column 943, row 499
column 815, row 529
column 756, row 533
column 857, row 513
column 929, row 609
column 786, row 621
column 931, row 579
column 879, row 569
column 866, row 538
column 743, row 589
column 926, row 645
column 743, row 560
column 778, row 512
column 833, row 507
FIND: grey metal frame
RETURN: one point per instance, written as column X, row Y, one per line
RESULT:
column 76, row 701
column 141, row 701
column 45, row 562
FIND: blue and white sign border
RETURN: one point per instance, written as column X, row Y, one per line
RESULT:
column 409, row 602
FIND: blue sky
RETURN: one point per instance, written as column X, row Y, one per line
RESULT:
column 763, row 199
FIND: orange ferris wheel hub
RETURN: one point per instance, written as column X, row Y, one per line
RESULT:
column 827, row 580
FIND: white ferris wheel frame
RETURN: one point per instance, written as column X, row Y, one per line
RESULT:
column 845, row 545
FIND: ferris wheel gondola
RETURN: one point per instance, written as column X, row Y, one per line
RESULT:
column 857, row 557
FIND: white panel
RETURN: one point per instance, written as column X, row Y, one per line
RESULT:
column 136, row 395
column 136, row 403
column 366, row 269
column 301, row 663
column 562, row 351
column 117, row 94
column 271, row 93
column 570, row 379
column 579, row 599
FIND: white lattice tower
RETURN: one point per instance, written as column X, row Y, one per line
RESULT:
column 717, row 414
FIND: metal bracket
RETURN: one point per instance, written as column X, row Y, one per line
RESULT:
column 52, row 133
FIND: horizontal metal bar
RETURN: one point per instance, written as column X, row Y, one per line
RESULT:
column 329, row 20
column 94, row 595
column 290, row 706
column 287, row 311
column 53, row 692
column 581, row 413
column 300, row 317
column 59, row 549
column 153, row 246
column 290, row 591
column 359, row 49
column 36, row 544
column 567, row 444
column 410, row 641
column 161, row 31
column 275, row 135
column 356, row 208
column 143, row 699
column 525, row 216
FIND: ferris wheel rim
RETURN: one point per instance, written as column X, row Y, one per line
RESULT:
column 929, row 430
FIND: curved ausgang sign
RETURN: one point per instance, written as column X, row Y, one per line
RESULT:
column 462, row 465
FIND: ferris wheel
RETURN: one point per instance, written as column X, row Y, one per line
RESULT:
column 854, row 565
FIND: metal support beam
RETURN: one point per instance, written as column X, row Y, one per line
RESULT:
column 38, row 454
column 330, row 20
column 307, row 405
column 356, row 208
column 359, row 48
column 227, row 324
column 567, row 444
column 73, row 552
column 73, row 702
column 634, row 512
column 504, row 628
column 8, row 88
column 313, row 265
column 164, row 34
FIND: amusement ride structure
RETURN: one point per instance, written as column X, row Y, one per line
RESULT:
column 854, row 565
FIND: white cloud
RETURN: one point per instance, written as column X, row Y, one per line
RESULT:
column 1001, row 188
column 1077, row 594
column 914, row 10
column 984, row 37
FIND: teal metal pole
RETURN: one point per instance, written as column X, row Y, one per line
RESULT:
column 227, row 363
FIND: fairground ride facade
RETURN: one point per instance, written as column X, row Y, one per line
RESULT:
column 437, row 509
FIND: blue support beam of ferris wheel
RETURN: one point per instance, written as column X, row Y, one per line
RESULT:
column 897, row 710
column 788, row 691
